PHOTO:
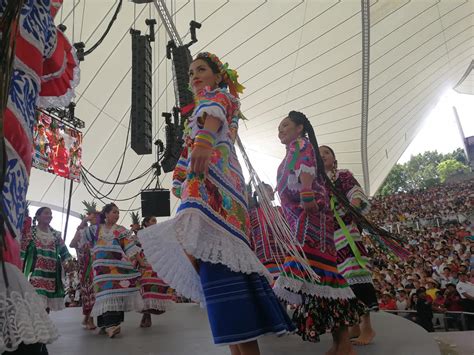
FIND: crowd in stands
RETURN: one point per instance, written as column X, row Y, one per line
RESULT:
column 438, row 276
column 72, row 285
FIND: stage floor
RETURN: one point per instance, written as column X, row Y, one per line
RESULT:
column 184, row 330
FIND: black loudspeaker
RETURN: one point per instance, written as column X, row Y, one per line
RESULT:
column 156, row 202
column 141, row 110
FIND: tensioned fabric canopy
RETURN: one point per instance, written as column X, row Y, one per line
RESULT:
column 366, row 73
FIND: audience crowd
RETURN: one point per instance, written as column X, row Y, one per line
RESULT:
column 438, row 276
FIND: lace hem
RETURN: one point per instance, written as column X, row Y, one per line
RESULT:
column 54, row 304
column 297, row 287
column 205, row 241
column 359, row 280
column 169, row 261
column 209, row 242
column 22, row 316
column 117, row 303
column 63, row 100
column 153, row 304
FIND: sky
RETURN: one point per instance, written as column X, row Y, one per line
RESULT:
column 440, row 131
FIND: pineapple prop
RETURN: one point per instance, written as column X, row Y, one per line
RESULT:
column 89, row 208
column 135, row 226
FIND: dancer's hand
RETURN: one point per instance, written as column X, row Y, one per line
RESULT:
column 200, row 159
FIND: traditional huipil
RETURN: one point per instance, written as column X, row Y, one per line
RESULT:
column 115, row 278
column 39, row 48
column 212, row 225
column 155, row 292
column 263, row 242
column 86, row 274
column 43, row 255
column 329, row 303
column 352, row 258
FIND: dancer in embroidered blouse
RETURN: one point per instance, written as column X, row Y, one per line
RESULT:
column 262, row 240
column 352, row 257
column 203, row 252
column 328, row 304
column 86, row 273
column 116, row 281
column 155, row 292
column 44, row 256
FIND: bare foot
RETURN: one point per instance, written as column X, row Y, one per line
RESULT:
column 90, row 324
column 354, row 332
column 365, row 338
column 113, row 331
column 146, row 321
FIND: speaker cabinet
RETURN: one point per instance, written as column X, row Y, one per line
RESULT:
column 155, row 202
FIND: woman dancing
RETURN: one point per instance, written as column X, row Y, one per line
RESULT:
column 115, row 278
column 327, row 304
column 352, row 257
column 45, row 257
column 203, row 252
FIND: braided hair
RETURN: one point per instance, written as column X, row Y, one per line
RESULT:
column 300, row 119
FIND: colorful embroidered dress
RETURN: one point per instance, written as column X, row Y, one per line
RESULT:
column 330, row 302
column 350, row 267
column 156, row 294
column 115, row 278
column 352, row 257
column 263, row 242
column 43, row 254
column 38, row 45
column 212, row 224
column 86, row 274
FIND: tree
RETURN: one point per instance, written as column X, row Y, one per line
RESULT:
column 450, row 167
column 422, row 171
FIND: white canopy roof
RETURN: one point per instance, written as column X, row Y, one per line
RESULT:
column 290, row 55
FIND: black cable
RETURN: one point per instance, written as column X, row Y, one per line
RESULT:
column 109, row 26
column 100, row 196
column 146, row 172
column 123, row 157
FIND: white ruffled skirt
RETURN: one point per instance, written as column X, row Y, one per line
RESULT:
column 23, row 318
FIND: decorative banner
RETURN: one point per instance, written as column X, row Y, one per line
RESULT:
column 57, row 148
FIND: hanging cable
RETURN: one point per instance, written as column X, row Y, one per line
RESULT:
column 80, row 46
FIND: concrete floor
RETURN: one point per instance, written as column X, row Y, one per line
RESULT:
column 184, row 330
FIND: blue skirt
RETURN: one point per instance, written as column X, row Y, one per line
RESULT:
column 241, row 307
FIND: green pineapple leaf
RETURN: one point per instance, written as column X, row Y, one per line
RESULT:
column 135, row 217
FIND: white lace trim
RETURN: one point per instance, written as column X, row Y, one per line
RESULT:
column 163, row 245
column 169, row 261
column 54, row 304
column 23, row 318
column 155, row 304
column 288, row 296
column 209, row 242
column 118, row 303
column 64, row 100
column 359, row 280
column 296, row 286
column 306, row 169
column 357, row 192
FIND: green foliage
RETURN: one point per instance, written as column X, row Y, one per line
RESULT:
column 421, row 171
column 450, row 167
column 90, row 207
column 135, row 217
